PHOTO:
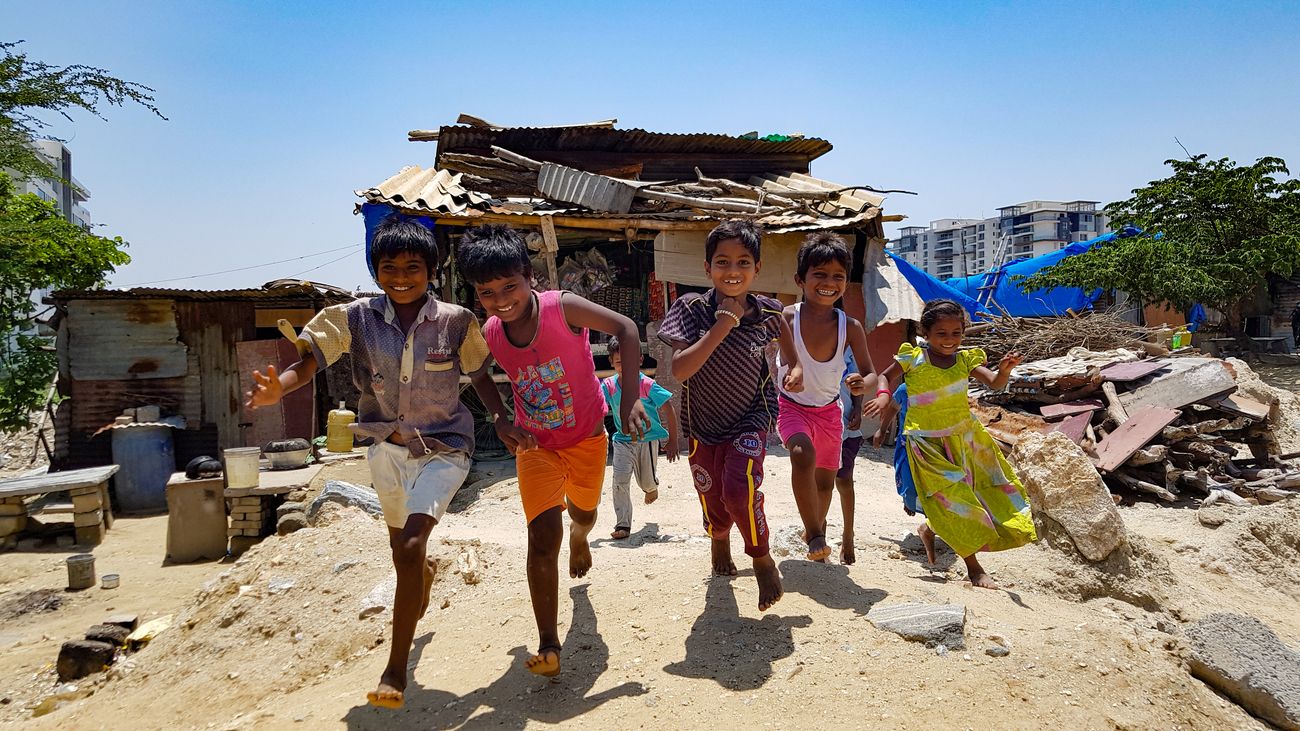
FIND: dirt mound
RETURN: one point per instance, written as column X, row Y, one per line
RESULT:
column 1262, row 544
column 1284, row 416
column 290, row 611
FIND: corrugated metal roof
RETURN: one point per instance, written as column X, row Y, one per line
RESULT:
column 270, row 293
column 431, row 190
column 523, row 140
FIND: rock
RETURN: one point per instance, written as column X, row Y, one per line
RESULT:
column 297, row 496
column 111, row 633
column 130, row 621
column 345, row 493
column 239, row 544
column 467, row 565
column 79, row 658
column 29, row 544
column 933, row 624
column 65, row 541
column 380, row 598
column 997, row 651
column 1214, row 516
column 1063, row 485
column 12, row 524
column 289, row 507
column 290, row 522
column 1243, row 658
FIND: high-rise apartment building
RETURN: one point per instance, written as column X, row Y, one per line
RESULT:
column 69, row 199
column 959, row 247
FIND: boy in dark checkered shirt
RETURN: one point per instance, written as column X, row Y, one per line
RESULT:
column 728, row 397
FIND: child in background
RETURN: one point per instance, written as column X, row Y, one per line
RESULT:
column 971, row 497
column 811, row 419
column 408, row 353
column 851, row 406
column 897, row 407
column 540, row 341
column 637, row 457
column 728, row 400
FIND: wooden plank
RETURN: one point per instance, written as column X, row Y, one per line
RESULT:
column 293, row 416
column 1237, row 404
column 56, row 481
column 1176, row 390
column 1144, row 424
column 1074, row 426
column 1133, row 370
column 1082, row 406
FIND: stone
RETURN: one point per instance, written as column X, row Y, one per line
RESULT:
column 1216, row 515
column 65, row 541
column 86, row 503
column 296, row 496
column 80, row 491
column 290, row 522
column 111, row 633
column 79, row 658
column 83, row 520
column 933, row 624
column 345, row 493
column 12, row 524
column 239, row 544
column 9, row 509
column 29, row 544
column 130, row 621
column 380, row 598
column 289, row 507
column 90, row 535
column 1245, row 660
column 997, row 651
column 1064, row 486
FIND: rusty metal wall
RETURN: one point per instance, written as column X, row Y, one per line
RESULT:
column 124, row 340
column 211, row 329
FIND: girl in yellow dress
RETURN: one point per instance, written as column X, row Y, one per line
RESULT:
column 971, row 496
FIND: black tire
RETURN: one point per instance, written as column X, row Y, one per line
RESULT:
column 487, row 447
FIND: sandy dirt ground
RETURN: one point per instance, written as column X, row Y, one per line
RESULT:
column 275, row 640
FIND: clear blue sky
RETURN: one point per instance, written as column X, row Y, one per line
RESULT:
column 278, row 111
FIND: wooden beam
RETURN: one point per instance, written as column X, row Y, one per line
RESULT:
column 550, row 246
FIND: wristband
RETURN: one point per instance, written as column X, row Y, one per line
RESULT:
column 718, row 313
column 884, row 391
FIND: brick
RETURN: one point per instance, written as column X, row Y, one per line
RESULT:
column 130, row 621
column 85, row 503
column 12, row 524
column 78, row 491
column 239, row 544
column 15, row 500
column 9, row 510
column 90, row 535
column 111, row 633
column 253, row 532
column 82, row 520
column 246, row 523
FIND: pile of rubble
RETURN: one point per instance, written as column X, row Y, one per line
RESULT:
column 1169, row 427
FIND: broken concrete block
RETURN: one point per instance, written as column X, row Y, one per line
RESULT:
column 286, row 508
column 933, row 624
column 111, row 633
column 82, row 520
column 12, row 524
column 79, row 658
column 1063, row 485
column 1243, row 658
column 290, row 522
column 129, row 621
column 345, row 493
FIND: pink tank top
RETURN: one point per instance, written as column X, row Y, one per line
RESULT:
column 557, row 395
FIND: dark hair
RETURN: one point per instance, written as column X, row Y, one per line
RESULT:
column 613, row 345
column 491, row 251
column 936, row 310
column 400, row 235
column 823, row 248
column 748, row 234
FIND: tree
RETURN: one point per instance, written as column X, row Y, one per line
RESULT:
column 1211, row 233
column 39, row 249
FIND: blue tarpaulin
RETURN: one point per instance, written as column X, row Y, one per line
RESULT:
column 374, row 214
column 928, row 288
column 1005, row 286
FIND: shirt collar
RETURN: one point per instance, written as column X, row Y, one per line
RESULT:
column 384, row 307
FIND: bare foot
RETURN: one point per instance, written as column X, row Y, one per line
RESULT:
column 620, row 533
column 651, row 497
column 545, row 663
column 722, row 563
column 430, row 572
column 847, row 556
column 769, row 582
column 579, row 552
column 977, row 575
column 927, row 539
column 818, row 549
column 389, row 694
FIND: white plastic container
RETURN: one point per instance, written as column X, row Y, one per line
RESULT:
column 242, row 466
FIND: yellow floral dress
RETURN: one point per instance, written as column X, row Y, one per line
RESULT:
column 970, row 494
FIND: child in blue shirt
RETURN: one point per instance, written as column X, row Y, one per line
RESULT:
column 902, row 472
column 637, row 457
column 851, row 442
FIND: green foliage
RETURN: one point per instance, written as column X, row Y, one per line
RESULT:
column 1212, row 232
column 41, row 250
column 28, row 87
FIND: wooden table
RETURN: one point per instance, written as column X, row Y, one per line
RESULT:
column 92, row 514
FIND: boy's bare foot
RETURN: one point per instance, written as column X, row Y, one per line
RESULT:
column 722, row 563
column 430, row 572
column 651, row 496
column 977, row 575
column 818, row 549
column 927, row 539
column 847, row 556
column 389, row 694
column 769, row 582
column 579, row 551
column 545, row 663
column 620, row 533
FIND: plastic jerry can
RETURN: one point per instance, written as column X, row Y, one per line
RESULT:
column 338, row 437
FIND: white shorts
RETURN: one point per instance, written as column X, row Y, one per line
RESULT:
column 409, row 485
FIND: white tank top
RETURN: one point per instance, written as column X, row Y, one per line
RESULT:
column 821, row 379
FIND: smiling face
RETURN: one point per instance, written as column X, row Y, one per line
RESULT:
column 509, row 298
column 824, row 284
column 944, row 336
column 404, row 277
column 732, row 268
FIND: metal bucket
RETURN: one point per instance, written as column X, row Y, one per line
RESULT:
column 81, row 571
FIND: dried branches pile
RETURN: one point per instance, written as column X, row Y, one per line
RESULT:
column 1040, row 338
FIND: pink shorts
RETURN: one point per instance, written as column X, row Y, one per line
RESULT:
column 824, row 425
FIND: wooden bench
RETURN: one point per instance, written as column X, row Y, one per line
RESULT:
column 92, row 513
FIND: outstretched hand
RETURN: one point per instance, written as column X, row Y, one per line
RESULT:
column 1010, row 360
column 267, row 390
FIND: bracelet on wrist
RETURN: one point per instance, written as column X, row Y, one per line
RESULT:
column 718, row 314
column 884, row 391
